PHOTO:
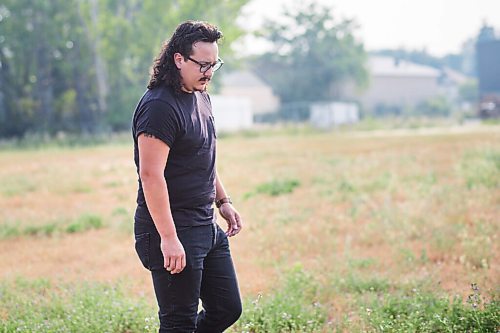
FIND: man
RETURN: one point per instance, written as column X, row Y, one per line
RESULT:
column 176, row 234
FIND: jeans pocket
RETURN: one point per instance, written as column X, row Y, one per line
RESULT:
column 142, row 248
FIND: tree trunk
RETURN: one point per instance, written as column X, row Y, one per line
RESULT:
column 44, row 92
column 85, row 115
column 102, row 80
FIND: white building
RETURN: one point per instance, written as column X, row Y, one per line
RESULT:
column 399, row 83
column 248, row 85
column 231, row 113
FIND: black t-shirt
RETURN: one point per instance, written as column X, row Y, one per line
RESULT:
column 184, row 121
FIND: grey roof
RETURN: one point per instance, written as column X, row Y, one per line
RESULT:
column 389, row 66
column 242, row 78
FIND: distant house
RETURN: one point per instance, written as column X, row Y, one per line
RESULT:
column 245, row 84
column 396, row 82
column 231, row 113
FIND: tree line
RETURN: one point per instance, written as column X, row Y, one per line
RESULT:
column 81, row 65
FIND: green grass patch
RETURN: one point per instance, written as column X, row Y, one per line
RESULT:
column 39, row 306
column 481, row 169
column 354, row 283
column 83, row 223
column 291, row 308
column 16, row 186
column 9, row 229
column 426, row 312
column 275, row 187
column 39, row 230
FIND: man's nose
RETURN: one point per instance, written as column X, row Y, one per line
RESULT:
column 209, row 72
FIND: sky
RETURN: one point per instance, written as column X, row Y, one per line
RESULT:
column 439, row 26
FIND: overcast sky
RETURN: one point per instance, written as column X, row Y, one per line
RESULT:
column 440, row 26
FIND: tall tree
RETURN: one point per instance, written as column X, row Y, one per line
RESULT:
column 313, row 55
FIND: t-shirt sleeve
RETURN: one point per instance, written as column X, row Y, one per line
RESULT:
column 158, row 119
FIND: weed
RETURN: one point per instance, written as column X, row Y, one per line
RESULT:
column 362, row 263
column 8, row 230
column 46, row 229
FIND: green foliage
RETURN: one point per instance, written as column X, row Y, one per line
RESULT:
column 81, row 66
column 291, row 308
column 312, row 54
column 424, row 312
column 275, row 187
column 39, row 306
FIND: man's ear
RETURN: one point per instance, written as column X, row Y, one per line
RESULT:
column 178, row 59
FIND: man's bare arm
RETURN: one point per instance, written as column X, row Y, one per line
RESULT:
column 153, row 155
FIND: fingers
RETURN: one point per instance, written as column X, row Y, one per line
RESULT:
column 234, row 225
column 175, row 264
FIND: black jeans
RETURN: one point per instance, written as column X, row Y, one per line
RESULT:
column 209, row 275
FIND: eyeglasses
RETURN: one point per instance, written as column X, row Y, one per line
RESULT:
column 204, row 66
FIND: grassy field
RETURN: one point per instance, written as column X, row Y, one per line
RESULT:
column 372, row 231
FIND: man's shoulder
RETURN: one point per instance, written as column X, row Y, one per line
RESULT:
column 163, row 93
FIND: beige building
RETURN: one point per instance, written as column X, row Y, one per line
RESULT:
column 245, row 84
column 398, row 83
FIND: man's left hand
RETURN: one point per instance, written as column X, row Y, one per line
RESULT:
column 232, row 217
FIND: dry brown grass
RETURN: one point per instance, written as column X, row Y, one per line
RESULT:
column 394, row 206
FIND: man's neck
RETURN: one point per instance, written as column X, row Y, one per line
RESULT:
column 183, row 88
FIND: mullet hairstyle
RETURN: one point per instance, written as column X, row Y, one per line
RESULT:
column 164, row 71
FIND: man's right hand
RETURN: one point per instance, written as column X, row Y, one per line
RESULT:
column 173, row 254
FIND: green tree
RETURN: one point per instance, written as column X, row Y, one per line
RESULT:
column 42, row 67
column 126, row 36
column 313, row 55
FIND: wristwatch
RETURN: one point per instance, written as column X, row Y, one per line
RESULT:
column 222, row 201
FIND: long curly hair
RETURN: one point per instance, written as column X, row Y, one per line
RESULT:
column 164, row 71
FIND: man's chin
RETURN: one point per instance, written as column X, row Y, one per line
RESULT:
column 201, row 87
